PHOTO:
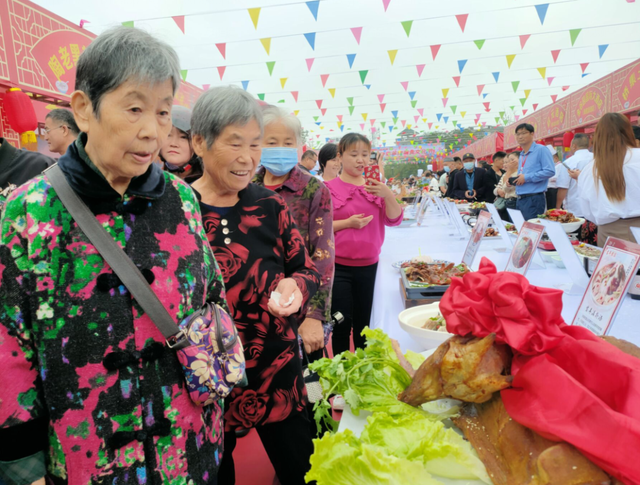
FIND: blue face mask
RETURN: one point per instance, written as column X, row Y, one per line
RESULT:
column 447, row 169
column 279, row 160
column 469, row 165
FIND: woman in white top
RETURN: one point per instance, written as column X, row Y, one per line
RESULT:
column 504, row 189
column 609, row 187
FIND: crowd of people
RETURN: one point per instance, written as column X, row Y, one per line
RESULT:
column 214, row 206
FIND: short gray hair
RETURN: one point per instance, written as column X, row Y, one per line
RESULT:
column 274, row 114
column 122, row 54
column 220, row 107
column 64, row 117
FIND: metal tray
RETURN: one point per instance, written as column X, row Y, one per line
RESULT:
column 417, row 293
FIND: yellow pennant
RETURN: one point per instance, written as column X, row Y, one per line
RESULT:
column 462, row 113
column 527, row 92
column 283, row 81
column 339, row 124
column 445, row 92
column 543, row 72
column 296, row 112
column 424, row 120
column 510, row 60
column 322, row 127
column 364, row 116
column 392, row 55
column 266, row 43
column 408, row 127
column 332, row 91
column 254, row 13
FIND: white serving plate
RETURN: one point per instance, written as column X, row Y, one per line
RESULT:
column 411, row 320
column 569, row 227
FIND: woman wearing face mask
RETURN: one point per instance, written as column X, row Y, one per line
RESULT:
column 309, row 201
column 329, row 163
column 177, row 154
column 361, row 213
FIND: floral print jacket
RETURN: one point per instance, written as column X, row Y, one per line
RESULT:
column 86, row 376
column 257, row 244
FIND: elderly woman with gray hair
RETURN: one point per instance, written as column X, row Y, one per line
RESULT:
column 89, row 391
column 269, row 276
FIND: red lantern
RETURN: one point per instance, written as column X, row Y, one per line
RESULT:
column 567, row 138
column 21, row 114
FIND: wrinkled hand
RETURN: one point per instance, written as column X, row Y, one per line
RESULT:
column 358, row 221
column 520, row 179
column 574, row 174
column 378, row 189
column 501, row 193
column 470, row 194
column 286, row 288
column 312, row 334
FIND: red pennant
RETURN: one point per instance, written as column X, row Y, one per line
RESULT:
column 179, row 20
column 480, row 89
column 221, row 70
column 462, row 20
column 554, row 97
column 319, row 103
column 339, row 117
column 564, row 88
column 382, row 107
column 420, row 68
column 404, row 122
column 434, row 50
column 524, row 112
column 535, row 106
column 584, row 66
column 523, row 40
column 223, row 49
column 430, row 125
column 324, row 78
column 323, row 111
column 372, row 122
column 486, row 106
column 555, row 55
column 295, row 95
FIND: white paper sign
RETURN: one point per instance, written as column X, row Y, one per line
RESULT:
column 458, row 221
column 608, row 286
column 636, row 233
column 570, row 258
column 476, row 238
column 499, row 223
column 516, row 217
column 524, row 248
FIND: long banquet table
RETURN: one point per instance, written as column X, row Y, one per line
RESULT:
column 433, row 238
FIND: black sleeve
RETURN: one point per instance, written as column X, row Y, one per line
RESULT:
column 483, row 179
column 459, row 186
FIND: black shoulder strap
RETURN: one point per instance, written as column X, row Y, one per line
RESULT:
column 120, row 263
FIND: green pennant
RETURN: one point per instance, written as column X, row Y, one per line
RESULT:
column 414, row 103
column 515, row 85
column 512, row 108
column 128, row 24
column 406, row 25
column 383, row 123
column 479, row 43
column 183, row 74
column 350, row 100
column 281, row 101
column 501, row 113
column 270, row 66
column 455, row 123
column 315, row 118
column 454, row 108
column 522, row 101
column 261, row 96
column 574, row 35
column 395, row 120
column 363, row 75
column 351, row 108
column 497, row 119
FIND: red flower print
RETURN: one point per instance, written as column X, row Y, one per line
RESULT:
column 229, row 264
column 250, row 221
column 248, row 409
column 211, row 221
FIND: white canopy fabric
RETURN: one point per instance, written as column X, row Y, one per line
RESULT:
column 380, row 66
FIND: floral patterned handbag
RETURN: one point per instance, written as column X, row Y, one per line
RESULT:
column 206, row 342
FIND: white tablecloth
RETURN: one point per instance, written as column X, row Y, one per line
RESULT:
column 434, row 239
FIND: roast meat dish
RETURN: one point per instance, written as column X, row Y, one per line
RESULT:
column 465, row 368
column 558, row 215
column 434, row 274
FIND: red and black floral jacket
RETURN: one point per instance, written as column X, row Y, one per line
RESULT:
column 256, row 245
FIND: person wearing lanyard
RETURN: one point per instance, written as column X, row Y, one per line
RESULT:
column 534, row 171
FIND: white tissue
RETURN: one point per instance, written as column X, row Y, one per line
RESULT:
column 275, row 296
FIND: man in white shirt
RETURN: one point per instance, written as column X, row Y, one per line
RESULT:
column 567, row 186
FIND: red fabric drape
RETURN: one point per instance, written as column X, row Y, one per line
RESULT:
column 569, row 385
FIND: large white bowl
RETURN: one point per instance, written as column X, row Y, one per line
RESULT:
column 413, row 318
column 569, row 227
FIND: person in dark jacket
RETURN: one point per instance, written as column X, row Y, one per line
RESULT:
column 456, row 167
column 493, row 176
column 17, row 167
column 470, row 183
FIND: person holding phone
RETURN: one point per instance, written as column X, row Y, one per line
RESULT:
column 506, row 190
column 360, row 214
column 469, row 183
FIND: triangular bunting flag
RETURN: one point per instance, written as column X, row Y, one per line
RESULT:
column 487, row 106
column 221, row 70
column 479, row 43
column 586, row 74
column 445, row 92
column 602, row 49
column 543, row 72
column 128, row 24
column 535, row 106
column 461, row 65
column 261, row 96
column 392, row 55
column 223, row 49
column 515, row 85
column 550, row 80
column 372, row 121
column 323, row 78
column 444, row 102
column 413, row 103
column 455, row 123
column 313, row 6
column 523, row 40
column 183, row 74
column 319, row 103
column 385, row 3
column 527, row 92
column 394, row 114
column 434, row 50
column 454, row 108
column 323, row 111
column 266, row 43
column 363, row 75
column 564, row 88
column 350, row 101
column 179, row 20
column 351, row 108
column 430, row 125
column 254, row 13
column 574, row 33
column 496, row 76
column 395, row 119
column 554, row 97
column 522, row 101
column 462, row 20
column 405, row 85
column 270, row 66
column 421, row 111
column 382, row 107
column 524, row 112
column 456, row 79
column 380, row 98
column 510, row 59
column 364, row 116
column 406, row 25
column 245, row 85
column 309, row 64
column 339, row 117
column 584, row 66
column 555, row 55
column 480, row 89
column 205, row 87
column 542, row 11
column 311, row 39
column 351, row 58
column 295, row 95
column 463, row 113
column 332, row 92
column 283, row 81
column 357, row 33
column 420, row 68
column 361, row 126
column 296, row 112
column 368, row 86
column 412, row 94
column 446, row 119
column 404, row 122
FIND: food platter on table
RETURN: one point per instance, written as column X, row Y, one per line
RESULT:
column 567, row 220
column 405, row 262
